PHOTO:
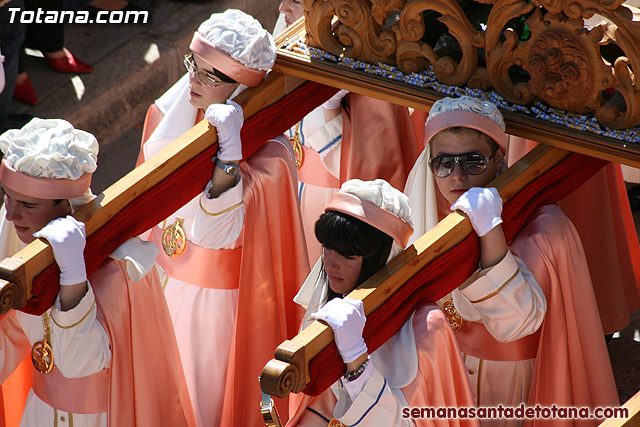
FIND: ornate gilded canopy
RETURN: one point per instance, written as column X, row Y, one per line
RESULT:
column 574, row 55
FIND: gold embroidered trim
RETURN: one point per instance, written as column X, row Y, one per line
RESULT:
column 164, row 284
column 297, row 147
column 454, row 318
column 75, row 324
column 221, row 212
column 496, row 292
column 55, row 414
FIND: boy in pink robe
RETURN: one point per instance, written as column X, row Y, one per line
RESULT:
column 525, row 317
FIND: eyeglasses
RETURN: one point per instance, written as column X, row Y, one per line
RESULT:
column 471, row 163
column 204, row 78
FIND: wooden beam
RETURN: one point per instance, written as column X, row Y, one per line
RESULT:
column 18, row 271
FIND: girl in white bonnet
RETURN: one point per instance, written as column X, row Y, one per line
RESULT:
column 364, row 226
column 523, row 317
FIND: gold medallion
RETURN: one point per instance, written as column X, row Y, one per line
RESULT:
column 42, row 357
column 455, row 320
column 335, row 423
column 41, row 352
column 297, row 147
column 174, row 240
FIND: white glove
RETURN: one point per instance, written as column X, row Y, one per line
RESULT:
column 346, row 318
column 335, row 101
column 67, row 239
column 228, row 120
column 483, row 206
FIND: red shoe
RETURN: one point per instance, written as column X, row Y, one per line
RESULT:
column 68, row 64
column 25, row 93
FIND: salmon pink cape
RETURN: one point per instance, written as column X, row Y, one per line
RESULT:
column 146, row 383
column 142, row 370
column 135, row 320
column 15, row 388
column 274, row 264
column 572, row 362
column 373, row 146
column 600, row 211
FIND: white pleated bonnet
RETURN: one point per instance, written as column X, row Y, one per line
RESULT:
column 466, row 111
column 48, row 159
column 378, row 204
column 241, row 38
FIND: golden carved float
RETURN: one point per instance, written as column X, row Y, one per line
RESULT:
column 543, row 50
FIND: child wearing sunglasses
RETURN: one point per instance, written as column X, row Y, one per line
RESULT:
column 521, row 318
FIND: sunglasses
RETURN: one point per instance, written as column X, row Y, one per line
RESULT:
column 471, row 163
column 205, row 79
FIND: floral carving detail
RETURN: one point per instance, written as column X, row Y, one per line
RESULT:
column 559, row 71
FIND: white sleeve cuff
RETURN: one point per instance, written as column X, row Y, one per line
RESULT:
column 323, row 139
column 355, row 387
column 352, row 412
column 218, row 222
column 490, row 281
column 333, row 128
column 231, row 197
column 465, row 309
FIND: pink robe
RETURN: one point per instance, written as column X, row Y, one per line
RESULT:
column 134, row 315
column 571, row 366
column 600, row 211
column 441, row 381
